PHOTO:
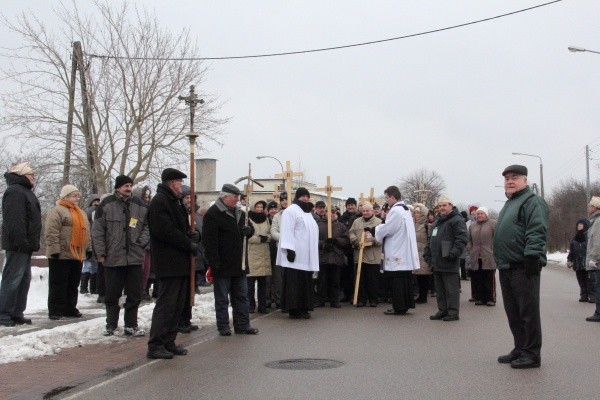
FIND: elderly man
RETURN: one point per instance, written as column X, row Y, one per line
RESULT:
column 447, row 242
column 593, row 251
column 520, row 252
column 21, row 230
column 171, row 244
column 399, row 247
column 119, row 237
column 223, row 235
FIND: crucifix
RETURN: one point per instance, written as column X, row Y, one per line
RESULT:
column 370, row 199
column 329, row 189
column 191, row 100
column 248, row 187
column 287, row 176
column 276, row 193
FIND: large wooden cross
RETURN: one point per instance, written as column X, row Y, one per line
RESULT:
column 370, row 199
column 288, row 175
column 329, row 189
column 276, row 193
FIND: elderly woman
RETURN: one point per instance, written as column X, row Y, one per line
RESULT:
column 67, row 245
column 424, row 273
column 259, row 257
column 483, row 265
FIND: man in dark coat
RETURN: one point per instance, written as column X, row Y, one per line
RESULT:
column 223, row 233
column 171, row 244
column 347, row 274
column 21, row 229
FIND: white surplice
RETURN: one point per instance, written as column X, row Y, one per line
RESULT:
column 400, row 246
column 298, row 232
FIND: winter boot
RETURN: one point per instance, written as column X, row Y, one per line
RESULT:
column 83, row 288
column 93, row 283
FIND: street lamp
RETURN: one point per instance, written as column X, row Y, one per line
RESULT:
column 574, row 49
column 541, row 170
column 280, row 164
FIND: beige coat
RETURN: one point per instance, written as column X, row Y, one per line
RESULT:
column 480, row 245
column 259, row 256
column 371, row 254
column 421, row 231
column 59, row 225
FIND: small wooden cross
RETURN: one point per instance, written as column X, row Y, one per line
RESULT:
column 276, row 193
column 329, row 189
column 288, row 175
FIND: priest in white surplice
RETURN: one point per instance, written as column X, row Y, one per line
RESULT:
column 399, row 251
column 298, row 254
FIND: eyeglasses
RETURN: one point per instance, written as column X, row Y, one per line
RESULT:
column 74, row 195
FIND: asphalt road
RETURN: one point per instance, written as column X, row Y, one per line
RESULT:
column 384, row 357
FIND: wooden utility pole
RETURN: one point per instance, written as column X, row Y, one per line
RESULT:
column 329, row 189
column 69, row 138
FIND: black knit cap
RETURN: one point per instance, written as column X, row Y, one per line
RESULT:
column 301, row 192
column 516, row 168
column 271, row 205
column 283, row 196
column 122, row 180
column 171, row 174
column 351, row 200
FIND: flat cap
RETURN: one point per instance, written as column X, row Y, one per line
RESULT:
column 229, row 188
column 516, row 168
column 171, row 174
column 320, row 203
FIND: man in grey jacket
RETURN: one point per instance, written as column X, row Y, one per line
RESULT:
column 119, row 235
column 593, row 251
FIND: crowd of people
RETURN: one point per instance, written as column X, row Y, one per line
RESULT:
column 294, row 256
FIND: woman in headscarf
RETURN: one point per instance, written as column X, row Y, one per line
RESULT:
column 67, row 245
column 258, row 257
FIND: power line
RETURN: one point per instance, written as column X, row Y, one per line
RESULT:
column 288, row 53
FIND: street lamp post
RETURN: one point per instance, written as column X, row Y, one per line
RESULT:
column 575, row 49
column 541, row 170
column 280, row 164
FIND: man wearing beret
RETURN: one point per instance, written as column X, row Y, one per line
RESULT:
column 21, row 230
column 223, row 235
column 119, row 237
column 520, row 252
column 171, row 245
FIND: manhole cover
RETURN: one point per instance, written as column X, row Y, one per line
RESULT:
column 304, row 363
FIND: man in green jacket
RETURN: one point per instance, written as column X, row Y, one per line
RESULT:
column 520, row 252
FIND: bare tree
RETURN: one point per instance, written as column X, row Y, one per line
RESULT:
column 423, row 186
column 136, row 123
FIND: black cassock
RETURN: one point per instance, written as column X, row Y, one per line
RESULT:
column 297, row 290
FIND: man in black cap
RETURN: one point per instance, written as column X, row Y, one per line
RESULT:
column 319, row 211
column 348, row 275
column 223, row 231
column 520, row 252
column 275, row 233
column 119, row 236
column 171, row 244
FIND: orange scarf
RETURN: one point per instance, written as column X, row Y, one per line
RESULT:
column 79, row 231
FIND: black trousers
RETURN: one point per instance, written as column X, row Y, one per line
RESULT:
column 63, row 283
column 423, row 283
column 186, row 311
column 119, row 278
column 587, row 283
column 101, row 280
column 329, row 284
column 347, row 276
column 260, row 283
column 369, row 283
column 402, row 292
column 167, row 311
column 483, row 284
column 521, row 297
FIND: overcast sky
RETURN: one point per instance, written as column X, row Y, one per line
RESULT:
column 457, row 102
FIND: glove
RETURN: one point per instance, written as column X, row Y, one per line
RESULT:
column 247, row 230
column 55, row 255
column 209, row 275
column 88, row 254
column 291, row 255
column 263, row 238
column 532, row 266
column 194, row 236
column 592, row 264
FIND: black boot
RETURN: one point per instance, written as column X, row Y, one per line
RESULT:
column 93, row 283
column 83, row 288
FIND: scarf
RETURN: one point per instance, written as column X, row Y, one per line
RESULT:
column 79, row 232
column 259, row 218
column 306, row 207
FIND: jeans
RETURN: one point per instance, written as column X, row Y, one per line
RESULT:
column 14, row 288
column 237, row 287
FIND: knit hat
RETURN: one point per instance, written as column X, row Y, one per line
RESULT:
column 185, row 191
column 122, row 180
column 595, row 201
column 484, row 210
column 67, row 190
column 351, row 200
column 444, row 198
column 473, row 208
column 171, row 174
column 229, row 188
column 21, row 169
column 301, row 192
column 271, row 205
column 283, row 196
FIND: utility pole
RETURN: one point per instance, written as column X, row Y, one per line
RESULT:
column 587, row 173
column 69, row 138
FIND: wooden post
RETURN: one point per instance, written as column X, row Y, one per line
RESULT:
column 287, row 176
column 71, row 112
column 329, row 189
column 361, row 251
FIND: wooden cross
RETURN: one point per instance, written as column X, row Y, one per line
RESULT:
column 370, row 199
column 361, row 252
column 276, row 193
column 288, row 175
column 329, row 189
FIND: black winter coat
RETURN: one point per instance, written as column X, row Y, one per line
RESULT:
column 21, row 215
column 447, row 242
column 170, row 245
column 578, row 246
column 223, row 240
column 341, row 244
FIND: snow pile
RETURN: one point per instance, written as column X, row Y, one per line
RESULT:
column 557, row 257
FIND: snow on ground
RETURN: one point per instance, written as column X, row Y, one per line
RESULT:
column 45, row 342
column 557, row 257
